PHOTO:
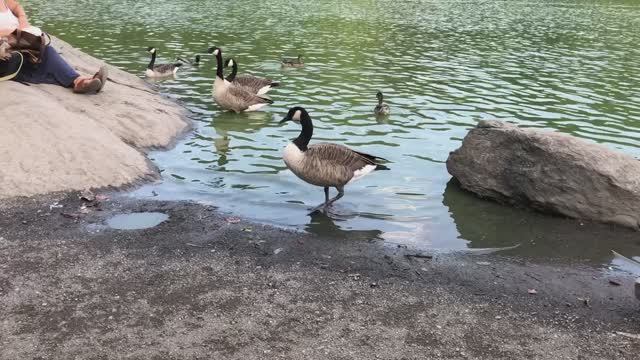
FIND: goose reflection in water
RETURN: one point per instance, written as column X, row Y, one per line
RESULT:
column 329, row 226
column 226, row 123
column 488, row 225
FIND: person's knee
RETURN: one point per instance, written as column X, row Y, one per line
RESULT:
column 49, row 52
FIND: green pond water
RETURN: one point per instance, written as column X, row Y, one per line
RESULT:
column 569, row 66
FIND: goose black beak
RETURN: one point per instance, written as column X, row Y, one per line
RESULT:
column 210, row 50
column 284, row 120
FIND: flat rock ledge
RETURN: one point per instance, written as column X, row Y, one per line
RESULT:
column 549, row 172
column 53, row 140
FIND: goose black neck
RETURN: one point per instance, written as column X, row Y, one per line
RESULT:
column 234, row 71
column 219, row 72
column 153, row 60
column 302, row 141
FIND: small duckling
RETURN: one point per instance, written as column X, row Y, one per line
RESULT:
column 293, row 62
column 195, row 62
column 382, row 109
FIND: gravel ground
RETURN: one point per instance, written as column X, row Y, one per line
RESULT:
column 205, row 286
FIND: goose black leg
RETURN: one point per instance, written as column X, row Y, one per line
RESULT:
column 338, row 197
column 326, row 201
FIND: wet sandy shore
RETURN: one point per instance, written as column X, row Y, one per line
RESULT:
column 205, row 286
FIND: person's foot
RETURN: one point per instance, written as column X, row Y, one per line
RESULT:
column 86, row 85
column 102, row 74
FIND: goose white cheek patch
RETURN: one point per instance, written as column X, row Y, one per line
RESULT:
column 296, row 116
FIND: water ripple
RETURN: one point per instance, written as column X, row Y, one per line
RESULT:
column 569, row 67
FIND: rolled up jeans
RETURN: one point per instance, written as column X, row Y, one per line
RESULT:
column 52, row 70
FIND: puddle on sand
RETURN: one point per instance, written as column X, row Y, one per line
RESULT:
column 137, row 221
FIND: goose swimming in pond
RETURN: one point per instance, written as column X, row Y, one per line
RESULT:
column 195, row 62
column 160, row 70
column 382, row 108
column 253, row 84
column 293, row 62
column 231, row 97
column 325, row 164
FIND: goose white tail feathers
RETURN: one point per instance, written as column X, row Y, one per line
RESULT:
column 360, row 173
column 256, row 107
column 374, row 159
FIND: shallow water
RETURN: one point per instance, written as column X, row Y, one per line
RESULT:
column 443, row 65
column 136, row 221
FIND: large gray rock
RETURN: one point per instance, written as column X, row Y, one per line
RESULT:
column 549, row 172
column 54, row 140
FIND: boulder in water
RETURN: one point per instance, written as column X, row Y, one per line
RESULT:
column 549, row 172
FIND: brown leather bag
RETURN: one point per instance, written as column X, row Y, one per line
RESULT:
column 30, row 45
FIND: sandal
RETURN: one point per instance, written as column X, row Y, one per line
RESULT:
column 102, row 75
column 87, row 86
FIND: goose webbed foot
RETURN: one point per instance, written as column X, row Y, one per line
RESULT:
column 322, row 207
column 328, row 203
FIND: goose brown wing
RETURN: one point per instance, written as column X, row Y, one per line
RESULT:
column 334, row 163
column 243, row 96
column 164, row 68
column 252, row 82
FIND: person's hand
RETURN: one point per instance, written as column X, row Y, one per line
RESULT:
column 23, row 24
column 5, row 52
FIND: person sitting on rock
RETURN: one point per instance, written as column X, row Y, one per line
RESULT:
column 52, row 69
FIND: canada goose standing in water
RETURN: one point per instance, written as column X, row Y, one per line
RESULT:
column 293, row 62
column 160, row 70
column 325, row 164
column 231, row 97
column 382, row 108
column 253, row 84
